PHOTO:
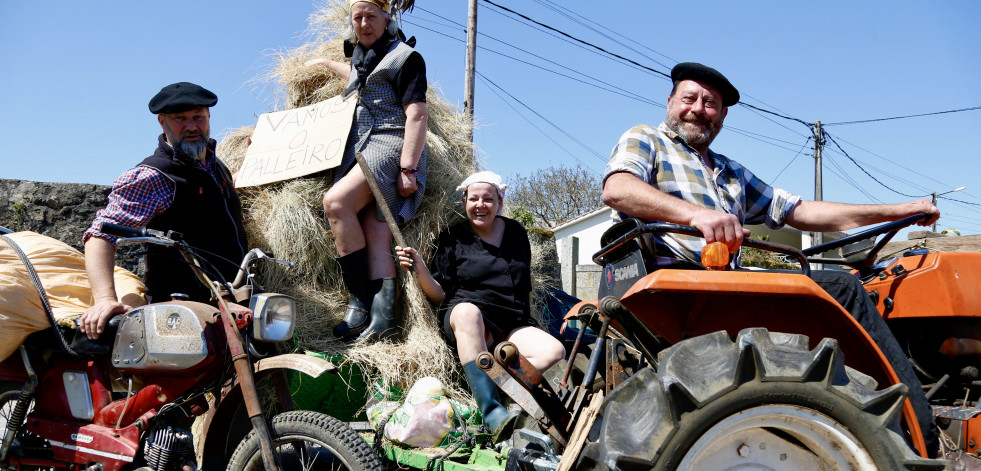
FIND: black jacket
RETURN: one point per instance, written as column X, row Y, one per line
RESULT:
column 209, row 215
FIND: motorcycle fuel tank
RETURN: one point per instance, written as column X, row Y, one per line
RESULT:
column 159, row 337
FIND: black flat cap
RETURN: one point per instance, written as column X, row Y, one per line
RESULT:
column 700, row 73
column 180, row 97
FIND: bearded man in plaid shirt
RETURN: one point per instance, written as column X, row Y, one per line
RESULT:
column 669, row 174
column 181, row 187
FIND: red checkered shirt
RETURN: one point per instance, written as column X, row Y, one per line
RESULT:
column 137, row 196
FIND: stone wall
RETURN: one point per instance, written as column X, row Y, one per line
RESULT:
column 58, row 210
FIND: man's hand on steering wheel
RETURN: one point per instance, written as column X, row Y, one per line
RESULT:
column 720, row 227
column 924, row 206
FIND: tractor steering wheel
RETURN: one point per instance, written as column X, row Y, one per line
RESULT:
column 637, row 228
column 860, row 250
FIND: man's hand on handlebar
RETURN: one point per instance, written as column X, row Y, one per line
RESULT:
column 720, row 227
column 94, row 320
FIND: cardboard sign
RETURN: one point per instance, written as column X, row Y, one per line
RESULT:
column 293, row 143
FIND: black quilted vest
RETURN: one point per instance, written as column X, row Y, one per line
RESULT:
column 209, row 215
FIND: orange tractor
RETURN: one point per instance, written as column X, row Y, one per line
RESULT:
column 709, row 369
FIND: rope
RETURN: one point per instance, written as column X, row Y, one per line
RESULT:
column 376, row 444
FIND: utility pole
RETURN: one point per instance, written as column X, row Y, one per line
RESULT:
column 935, row 195
column 471, row 64
column 818, row 196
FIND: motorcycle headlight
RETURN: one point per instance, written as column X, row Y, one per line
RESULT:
column 274, row 317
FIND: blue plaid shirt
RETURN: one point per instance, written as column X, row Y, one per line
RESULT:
column 661, row 158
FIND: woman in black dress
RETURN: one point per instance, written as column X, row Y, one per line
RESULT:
column 481, row 275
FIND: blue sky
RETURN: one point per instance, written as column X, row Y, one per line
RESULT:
column 77, row 76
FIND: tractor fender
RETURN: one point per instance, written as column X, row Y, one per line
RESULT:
column 221, row 432
column 680, row 304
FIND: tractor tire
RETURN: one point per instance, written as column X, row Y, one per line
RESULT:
column 762, row 402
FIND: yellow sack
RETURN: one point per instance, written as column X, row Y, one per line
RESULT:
column 61, row 270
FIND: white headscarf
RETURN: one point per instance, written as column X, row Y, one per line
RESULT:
column 484, row 177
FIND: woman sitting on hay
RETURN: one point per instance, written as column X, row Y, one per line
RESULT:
column 389, row 130
column 481, row 274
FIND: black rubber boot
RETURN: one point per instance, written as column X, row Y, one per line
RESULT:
column 354, row 272
column 383, row 324
column 497, row 417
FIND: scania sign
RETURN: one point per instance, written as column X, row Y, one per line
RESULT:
column 619, row 276
column 629, row 271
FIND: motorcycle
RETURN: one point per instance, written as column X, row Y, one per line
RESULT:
column 171, row 363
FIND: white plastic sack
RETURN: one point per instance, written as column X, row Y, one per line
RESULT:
column 426, row 417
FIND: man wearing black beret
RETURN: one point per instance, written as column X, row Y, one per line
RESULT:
column 181, row 187
column 669, row 174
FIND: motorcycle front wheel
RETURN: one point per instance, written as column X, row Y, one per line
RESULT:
column 24, row 443
column 308, row 440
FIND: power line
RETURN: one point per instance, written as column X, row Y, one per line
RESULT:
column 565, row 39
column 866, row 172
column 881, row 171
column 912, row 171
column 775, row 114
column 543, row 118
column 625, row 93
column 904, row 117
column 892, row 162
column 543, row 25
column 792, row 160
column 616, row 90
column 959, row 201
column 637, row 97
column 547, row 136
column 564, row 11
column 847, row 177
column 443, row 17
column 612, row 88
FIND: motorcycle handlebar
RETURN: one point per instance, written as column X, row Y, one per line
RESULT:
column 256, row 254
column 131, row 235
column 158, row 237
column 121, row 231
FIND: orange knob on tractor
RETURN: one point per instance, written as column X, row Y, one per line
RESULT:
column 715, row 256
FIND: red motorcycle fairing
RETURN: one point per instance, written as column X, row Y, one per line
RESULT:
column 51, row 399
column 78, row 442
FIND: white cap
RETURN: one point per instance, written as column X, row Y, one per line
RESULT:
column 484, row 177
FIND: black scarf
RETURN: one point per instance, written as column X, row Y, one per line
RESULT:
column 364, row 60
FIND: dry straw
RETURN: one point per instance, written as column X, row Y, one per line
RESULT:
column 287, row 218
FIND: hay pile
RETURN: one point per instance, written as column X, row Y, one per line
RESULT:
column 287, row 218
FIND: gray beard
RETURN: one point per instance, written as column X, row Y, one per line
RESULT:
column 693, row 137
column 193, row 149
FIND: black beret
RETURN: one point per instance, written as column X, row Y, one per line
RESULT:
column 700, row 73
column 180, row 97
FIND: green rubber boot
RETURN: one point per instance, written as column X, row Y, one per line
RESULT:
column 497, row 417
